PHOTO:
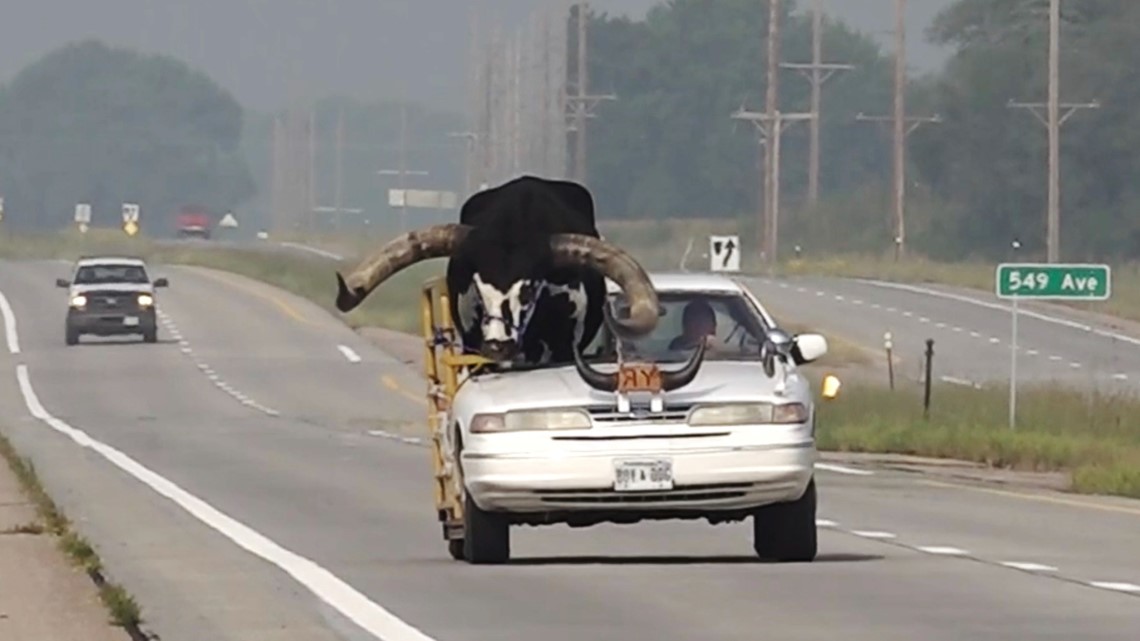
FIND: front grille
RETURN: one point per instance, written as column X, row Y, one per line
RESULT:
column 679, row 493
column 112, row 301
column 671, row 415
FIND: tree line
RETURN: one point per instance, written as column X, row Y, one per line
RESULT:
column 667, row 146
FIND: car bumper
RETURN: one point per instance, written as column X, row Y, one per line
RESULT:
column 107, row 323
column 705, row 480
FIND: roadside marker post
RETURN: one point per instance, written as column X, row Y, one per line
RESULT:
column 1046, row 281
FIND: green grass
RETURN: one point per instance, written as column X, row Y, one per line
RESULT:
column 1094, row 436
column 120, row 605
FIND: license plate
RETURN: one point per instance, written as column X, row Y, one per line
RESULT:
column 643, row 476
column 131, row 321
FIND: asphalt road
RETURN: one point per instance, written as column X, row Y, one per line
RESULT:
column 972, row 331
column 247, row 479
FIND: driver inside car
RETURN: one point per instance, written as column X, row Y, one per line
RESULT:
column 698, row 320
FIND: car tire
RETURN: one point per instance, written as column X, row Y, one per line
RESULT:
column 786, row 532
column 150, row 336
column 486, row 535
column 455, row 548
column 71, row 336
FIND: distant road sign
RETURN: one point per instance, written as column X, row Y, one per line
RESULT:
column 130, row 212
column 131, row 228
column 1052, row 281
column 83, row 213
column 228, row 221
column 724, row 253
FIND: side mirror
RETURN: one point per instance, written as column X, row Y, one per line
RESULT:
column 777, row 344
column 161, row 282
column 62, row 282
column 809, row 347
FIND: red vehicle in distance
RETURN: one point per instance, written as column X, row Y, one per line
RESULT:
column 193, row 221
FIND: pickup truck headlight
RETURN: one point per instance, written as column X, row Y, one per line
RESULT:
column 749, row 414
column 146, row 300
column 79, row 300
column 530, row 421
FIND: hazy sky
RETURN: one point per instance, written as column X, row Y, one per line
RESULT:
column 262, row 50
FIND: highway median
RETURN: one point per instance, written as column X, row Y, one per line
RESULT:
column 1091, row 436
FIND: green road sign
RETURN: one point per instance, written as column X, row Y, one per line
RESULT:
column 1054, row 281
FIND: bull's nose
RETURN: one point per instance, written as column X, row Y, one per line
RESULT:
column 498, row 349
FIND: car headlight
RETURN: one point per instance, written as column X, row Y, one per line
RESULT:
column 530, row 421
column 749, row 414
column 145, row 300
column 78, row 301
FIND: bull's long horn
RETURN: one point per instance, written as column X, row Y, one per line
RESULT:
column 617, row 264
column 433, row 242
column 671, row 380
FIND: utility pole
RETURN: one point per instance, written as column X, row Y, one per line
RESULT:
column 821, row 72
column 582, row 103
column 1053, row 121
column 899, row 119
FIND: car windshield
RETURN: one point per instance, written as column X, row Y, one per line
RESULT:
column 734, row 324
column 102, row 274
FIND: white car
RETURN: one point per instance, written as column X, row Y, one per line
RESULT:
column 543, row 446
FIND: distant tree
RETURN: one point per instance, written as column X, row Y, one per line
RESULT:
column 92, row 123
column 990, row 161
column 667, row 146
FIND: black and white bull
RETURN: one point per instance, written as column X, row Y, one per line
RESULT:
column 526, row 275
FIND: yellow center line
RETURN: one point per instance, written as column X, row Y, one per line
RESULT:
column 1056, row 500
column 392, row 384
column 275, row 300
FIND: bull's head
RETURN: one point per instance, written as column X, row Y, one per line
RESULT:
column 507, row 277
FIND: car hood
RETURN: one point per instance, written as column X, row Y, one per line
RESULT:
column 142, row 288
column 562, row 387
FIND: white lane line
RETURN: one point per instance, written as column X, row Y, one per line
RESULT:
column 1055, row 358
column 1005, row 308
column 908, row 314
column 801, row 290
column 940, row 325
column 1119, row 587
column 942, row 550
column 838, row 297
column 1120, row 377
column 875, row 306
column 10, row 333
column 923, row 319
column 1032, row 352
column 1028, row 567
column 975, row 335
column 1075, row 365
column 995, row 341
column 954, row 380
column 873, row 534
column 313, row 250
column 843, row 470
column 825, row 523
column 352, row 356
column 358, row 608
column 958, row 329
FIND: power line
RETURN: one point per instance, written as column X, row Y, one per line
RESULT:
column 582, row 103
column 899, row 119
column 1053, row 120
column 820, row 72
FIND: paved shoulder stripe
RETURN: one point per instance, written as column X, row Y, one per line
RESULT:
column 10, row 334
column 328, row 587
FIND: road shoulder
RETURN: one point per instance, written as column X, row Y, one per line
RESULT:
column 42, row 594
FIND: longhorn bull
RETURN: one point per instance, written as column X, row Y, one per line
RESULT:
column 526, row 273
